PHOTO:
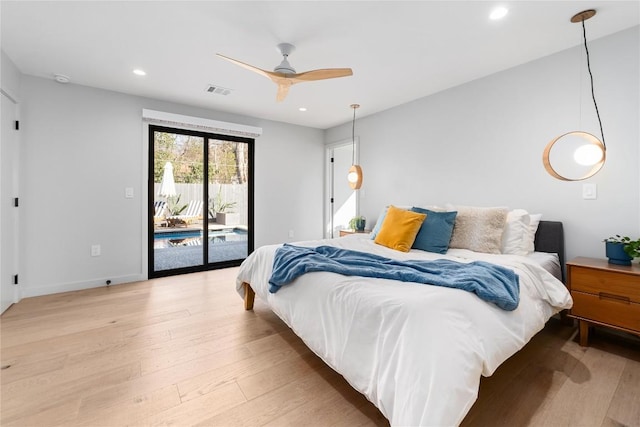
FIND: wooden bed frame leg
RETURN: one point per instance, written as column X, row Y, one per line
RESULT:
column 584, row 333
column 249, row 296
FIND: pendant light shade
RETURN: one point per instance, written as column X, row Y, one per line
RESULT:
column 355, row 171
column 577, row 155
column 355, row 177
column 574, row 156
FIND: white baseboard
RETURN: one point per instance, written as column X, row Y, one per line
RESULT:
column 36, row 291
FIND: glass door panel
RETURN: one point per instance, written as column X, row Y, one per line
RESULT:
column 228, row 188
column 178, row 208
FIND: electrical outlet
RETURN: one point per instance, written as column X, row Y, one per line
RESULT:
column 291, row 234
column 95, row 250
column 128, row 193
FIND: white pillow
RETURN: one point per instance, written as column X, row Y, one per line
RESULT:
column 533, row 227
column 516, row 233
column 478, row 229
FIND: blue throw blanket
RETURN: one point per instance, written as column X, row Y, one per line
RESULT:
column 490, row 282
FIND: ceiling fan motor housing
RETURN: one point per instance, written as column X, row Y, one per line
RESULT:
column 285, row 50
column 285, row 67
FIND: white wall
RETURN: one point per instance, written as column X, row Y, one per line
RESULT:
column 481, row 143
column 82, row 146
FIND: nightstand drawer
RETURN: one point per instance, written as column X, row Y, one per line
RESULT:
column 607, row 308
column 594, row 281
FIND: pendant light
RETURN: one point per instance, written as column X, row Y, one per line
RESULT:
column 577, row 155
column 355, row 171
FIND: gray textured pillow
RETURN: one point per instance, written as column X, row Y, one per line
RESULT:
column 479, row 229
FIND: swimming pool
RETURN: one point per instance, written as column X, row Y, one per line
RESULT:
column 170, row 239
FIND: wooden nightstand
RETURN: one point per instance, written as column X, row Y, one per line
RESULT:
column 604, row 294
column 347, row 232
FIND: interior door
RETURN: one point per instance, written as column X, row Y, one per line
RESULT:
column 8, row 210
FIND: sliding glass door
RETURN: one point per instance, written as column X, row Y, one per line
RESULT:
column 200, row 200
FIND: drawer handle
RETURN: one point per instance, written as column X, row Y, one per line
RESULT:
column 604, row 295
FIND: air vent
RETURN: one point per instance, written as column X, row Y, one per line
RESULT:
column 218, row 90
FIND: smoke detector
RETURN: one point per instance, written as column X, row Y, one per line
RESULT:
column 218, row 90
column 61, row 78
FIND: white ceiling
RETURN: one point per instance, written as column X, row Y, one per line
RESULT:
column 399, row 50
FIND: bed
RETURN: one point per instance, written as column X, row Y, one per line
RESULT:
column 415, row 351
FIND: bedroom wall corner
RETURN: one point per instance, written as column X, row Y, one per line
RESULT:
column 289, row 183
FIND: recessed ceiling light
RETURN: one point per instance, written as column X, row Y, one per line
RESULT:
column 302, row 109
column 139, row 72
column 498, row 13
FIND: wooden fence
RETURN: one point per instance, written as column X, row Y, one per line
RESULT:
column 229, row 193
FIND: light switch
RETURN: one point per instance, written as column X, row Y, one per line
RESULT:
column 589, row 191
column 128, row 193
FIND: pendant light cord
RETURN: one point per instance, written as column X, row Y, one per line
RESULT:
column 353, row 138
column 593, row 96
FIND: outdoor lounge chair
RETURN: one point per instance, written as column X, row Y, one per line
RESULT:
column 192, row 213
column 159, row 207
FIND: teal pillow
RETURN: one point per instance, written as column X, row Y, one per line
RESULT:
column 379, row 222
column 435, row 233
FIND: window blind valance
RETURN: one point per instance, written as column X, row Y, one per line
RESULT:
column 189, row 122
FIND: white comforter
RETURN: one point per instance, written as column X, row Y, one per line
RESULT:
column 416, row 351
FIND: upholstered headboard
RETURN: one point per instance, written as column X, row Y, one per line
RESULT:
column 550, row 238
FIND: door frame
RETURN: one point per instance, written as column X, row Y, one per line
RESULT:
column 151, row 128
column 9, row 214
column 330, row 181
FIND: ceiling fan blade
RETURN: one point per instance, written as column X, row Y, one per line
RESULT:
column 285, row 80
column 267, row 74
column 323, row 74
column 283, row 89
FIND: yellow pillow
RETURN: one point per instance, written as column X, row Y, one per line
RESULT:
column 399, row 229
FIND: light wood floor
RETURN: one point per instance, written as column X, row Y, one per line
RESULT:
column 182, row 351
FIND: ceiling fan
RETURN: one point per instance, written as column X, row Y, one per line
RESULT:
column 284, row 75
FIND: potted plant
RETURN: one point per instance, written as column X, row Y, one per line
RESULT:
column 357, row 223
column 621, row 249
column 222, row 210
column 174, row 208
column 227, row 217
